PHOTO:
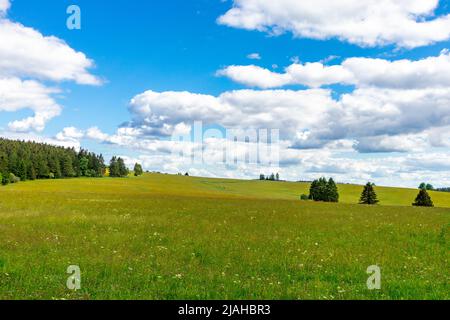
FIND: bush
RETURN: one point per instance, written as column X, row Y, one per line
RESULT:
column 13, row 178
column 5, row 179
column 304, row 197
column 423, row 199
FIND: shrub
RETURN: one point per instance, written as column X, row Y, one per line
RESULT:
column 423, row 199
column 304, row 197
column 5, row 179
column 13, row 178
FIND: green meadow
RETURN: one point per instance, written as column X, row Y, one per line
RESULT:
column 175, row 237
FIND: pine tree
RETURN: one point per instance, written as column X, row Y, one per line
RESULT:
column 114, row 167
column 30, row 160
column 84, row 166
column 22, row 170
column 323, row 190
column 67, row 168
column 369, row 195
column 423, row 199
column 313, row 190
column 332, row 193
column 123, row 170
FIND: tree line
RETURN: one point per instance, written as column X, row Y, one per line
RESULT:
column 23, row 160
column 327, row 191
column 272, row 177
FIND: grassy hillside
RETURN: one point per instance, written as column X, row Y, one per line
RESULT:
column 171, row 237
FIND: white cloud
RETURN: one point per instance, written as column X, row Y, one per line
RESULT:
column 313, row 75
column 16, row 94
column 4, row 6
column 429, row 72
column 254, row 76
column 370, row 112
column 405, row 23
column 158, row 114
column 25, row 52
column 27, row 56
column 70, row 134
column 375, row 119
column 254, row 56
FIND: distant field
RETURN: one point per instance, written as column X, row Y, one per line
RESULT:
column 173, row 237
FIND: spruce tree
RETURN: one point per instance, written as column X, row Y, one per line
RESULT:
column 67, row 168
column 423, row 199
column 332, row 193
column 313, row 190
column 113, row 167
column 369, row 195
column 323, row 190
column 123, row 170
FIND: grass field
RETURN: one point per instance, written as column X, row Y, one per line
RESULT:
column 172, row 237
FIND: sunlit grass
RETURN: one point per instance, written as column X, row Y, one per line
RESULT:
column 171, row 237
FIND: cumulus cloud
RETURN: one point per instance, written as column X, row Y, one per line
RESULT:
column 28, row 57
column 375, row 119
column 4, row 6
column 158, row 114
column 16, row 94
column 363, row 72
column 25, row 52
column 70, row 134
column 405, row 23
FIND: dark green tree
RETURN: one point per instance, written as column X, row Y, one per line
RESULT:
column 67, row 167
column 22, row 170
column 123, row 170
column 323, row 190
column 332, row 193
column 31, row 160
column 84, row 166
column 138, row 171
column 369, row 195
column 423, row 199
column 114, row 168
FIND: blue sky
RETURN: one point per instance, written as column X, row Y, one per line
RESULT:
column 174, row 46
